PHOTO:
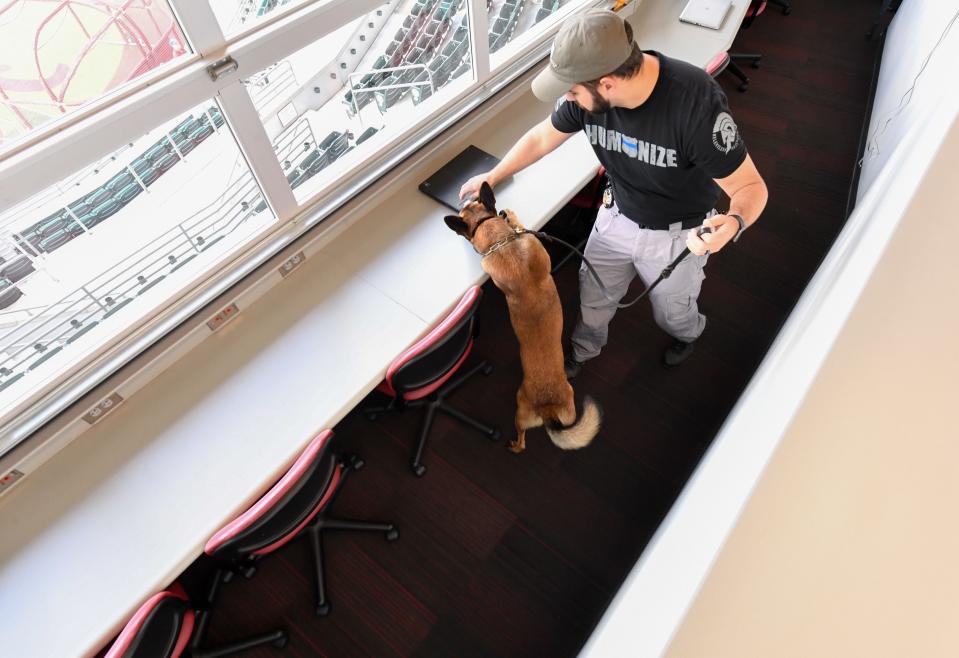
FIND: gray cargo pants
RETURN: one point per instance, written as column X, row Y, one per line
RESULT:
column 619, row 250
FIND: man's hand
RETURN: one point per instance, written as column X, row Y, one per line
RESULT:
column 471, row 188
column 724, row 229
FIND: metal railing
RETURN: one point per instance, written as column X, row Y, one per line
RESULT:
column 402, row 85
column 267, row 85
column 31, row 343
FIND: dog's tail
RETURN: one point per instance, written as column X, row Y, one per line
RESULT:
column 581, row 431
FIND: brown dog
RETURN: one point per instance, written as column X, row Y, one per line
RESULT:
column 520, row 267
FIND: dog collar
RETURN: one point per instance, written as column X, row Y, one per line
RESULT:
column 517, row 233
column 480, row 223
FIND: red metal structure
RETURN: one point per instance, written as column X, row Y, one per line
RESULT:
column 124, row 38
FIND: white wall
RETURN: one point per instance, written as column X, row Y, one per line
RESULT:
column 916, row 28
column 848, row 545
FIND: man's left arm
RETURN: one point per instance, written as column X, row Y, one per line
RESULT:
column 747, row 198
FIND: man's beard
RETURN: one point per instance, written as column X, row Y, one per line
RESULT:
column 600, row 104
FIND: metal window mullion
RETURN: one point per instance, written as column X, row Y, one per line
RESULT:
column 76, row 146
column 270, row 45
column 250, row 134
column 479, row 40
column 79, row 141
column 200, row 25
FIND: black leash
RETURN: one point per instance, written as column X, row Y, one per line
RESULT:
column 665, row 274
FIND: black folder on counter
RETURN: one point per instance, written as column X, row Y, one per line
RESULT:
column 444, row 185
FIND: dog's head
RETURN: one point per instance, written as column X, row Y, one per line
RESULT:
column 474, row 213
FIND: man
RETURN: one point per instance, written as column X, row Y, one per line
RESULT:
column 663, row 131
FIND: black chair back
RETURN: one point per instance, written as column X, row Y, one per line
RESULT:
column 157, row 637
column 440, row 356
column 287, row 514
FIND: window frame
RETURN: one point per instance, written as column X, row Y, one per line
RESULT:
column 56, row 151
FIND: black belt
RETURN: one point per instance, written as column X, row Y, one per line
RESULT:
column 687, row 224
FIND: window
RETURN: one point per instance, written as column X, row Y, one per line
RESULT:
column 515, row 23
column 323, row 105
column 59, row 56
column 150, row 202
column 235, row 16
column 101, row 249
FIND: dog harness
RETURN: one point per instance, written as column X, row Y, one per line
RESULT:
column 517, row 233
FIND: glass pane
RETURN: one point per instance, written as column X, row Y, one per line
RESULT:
column 87, row 258
column 58, row 56
column 234, row 16
column 514, row 22
column 340, row 98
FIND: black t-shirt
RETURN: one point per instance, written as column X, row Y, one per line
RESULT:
column 662, row 156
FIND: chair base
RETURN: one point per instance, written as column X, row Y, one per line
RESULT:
column 433, row 403
column 583, row 220
column 323, row 522
column 247, row 567
column 783, row 5
column 569, row 256
column 735, row 69
column 278, row 638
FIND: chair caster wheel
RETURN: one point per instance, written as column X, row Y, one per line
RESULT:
column 392, row 535
column 228, row 576
column 755, row 64
column 419, row 470
column 323, row 610
column 494, row 435
column 488, row 370
column 787, row 11
column 743, row 87
column 356, row 463
column 370, row 416
column 249, row 572
column 281, row 641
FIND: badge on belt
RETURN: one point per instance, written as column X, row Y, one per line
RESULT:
column 608, row 197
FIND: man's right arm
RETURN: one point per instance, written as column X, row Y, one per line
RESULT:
column 539, row 140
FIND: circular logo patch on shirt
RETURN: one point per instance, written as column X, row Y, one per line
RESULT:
column 725, row 133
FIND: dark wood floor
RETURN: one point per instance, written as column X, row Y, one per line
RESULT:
column 504, row 555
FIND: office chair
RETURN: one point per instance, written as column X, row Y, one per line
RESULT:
column 10, row 381
column 783, row 5
column 47, row 353
column 295, row 506
column 725, row 61
column 165, row 625
column 146, row 285
column 586, row 202
column 113, row 306
column 422, row 375
column 756, row 7
column 80, row 329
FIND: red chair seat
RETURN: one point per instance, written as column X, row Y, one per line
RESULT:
column 718, row 63
column 756, row 8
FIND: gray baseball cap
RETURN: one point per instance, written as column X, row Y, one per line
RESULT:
column 587, row 47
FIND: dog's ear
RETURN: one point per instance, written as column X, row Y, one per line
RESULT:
column 457, row 223
column 486, row 197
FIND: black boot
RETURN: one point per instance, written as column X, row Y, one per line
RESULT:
column 677, row 353
column 572, row 366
